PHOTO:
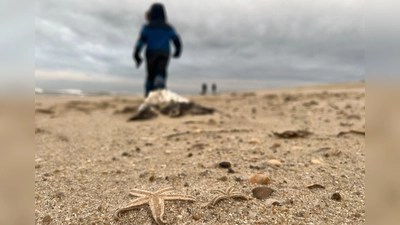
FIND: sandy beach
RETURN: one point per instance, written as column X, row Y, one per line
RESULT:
column 88, row 158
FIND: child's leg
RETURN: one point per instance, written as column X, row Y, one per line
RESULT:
column 151, row 73
column 148, row 87
column 160, row 80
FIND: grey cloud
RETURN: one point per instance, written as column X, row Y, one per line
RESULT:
column 245, row 40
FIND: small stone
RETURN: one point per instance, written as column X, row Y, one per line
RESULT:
column 186, row 185
column 231, row 170
column 171, row 178
column 259, row 179
column 272, row 202
column 254, row 167
column 312, row 186
column 190, row 155
column 143, row 174
column 37, row 166
column 225, row 164
column 301, row 214
column 104, row 172
column 224, row 178
column 238, row 179
column 125, row 154
column 336, row 196
column 151, row 178
column 204, row 173
column 196, row 217
column 60, row 195
column 46, row 219
column 262, row 192
column 137, row 149
column 276, row 145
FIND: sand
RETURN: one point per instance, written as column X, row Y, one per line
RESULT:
column 88, row 158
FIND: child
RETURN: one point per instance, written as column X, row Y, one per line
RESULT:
column 156, row 35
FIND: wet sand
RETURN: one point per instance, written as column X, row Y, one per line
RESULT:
column 88, row 158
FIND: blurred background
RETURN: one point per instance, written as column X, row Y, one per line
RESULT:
column 86, row 46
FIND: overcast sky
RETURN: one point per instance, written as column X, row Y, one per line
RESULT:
column 239, row 44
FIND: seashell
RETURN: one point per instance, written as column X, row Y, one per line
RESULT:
column 259, row 179
column 275, row 162
column 317, row 161
column 255, row 141
column 209, row 164
column 262, row 192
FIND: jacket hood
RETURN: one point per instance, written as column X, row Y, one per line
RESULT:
column 157, row 12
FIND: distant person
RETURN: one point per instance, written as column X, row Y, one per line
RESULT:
column 156, row 34
column 204, row 89
column 214, row 88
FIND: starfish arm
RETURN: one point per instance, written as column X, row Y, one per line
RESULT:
column 165, row 190
column 219, row 198
column 140, row 193
column 178, row 197
column 137, row 203
column 229, row 190
column 157, row 210
column 219, row 191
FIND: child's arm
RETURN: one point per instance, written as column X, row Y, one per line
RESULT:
column 141, row 42
column 177, row 42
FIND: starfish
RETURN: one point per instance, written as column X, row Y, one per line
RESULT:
column 229, row 193
column 155, row 200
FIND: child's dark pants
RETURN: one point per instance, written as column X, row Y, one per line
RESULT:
column 157, row 63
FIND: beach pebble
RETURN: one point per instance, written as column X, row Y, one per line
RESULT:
column 224, row 178
column 204, row 173
column 259, row 179
column 275, row 162
column 262, row 192
column 276, row 145
column 231, row 170
column 272, row 202
column 301, row 214
column 46, row 219
column 312, row 186
column 336, row 196
column 126, row 154
column 225, row 164
column 143, row 174
column 190, row 154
